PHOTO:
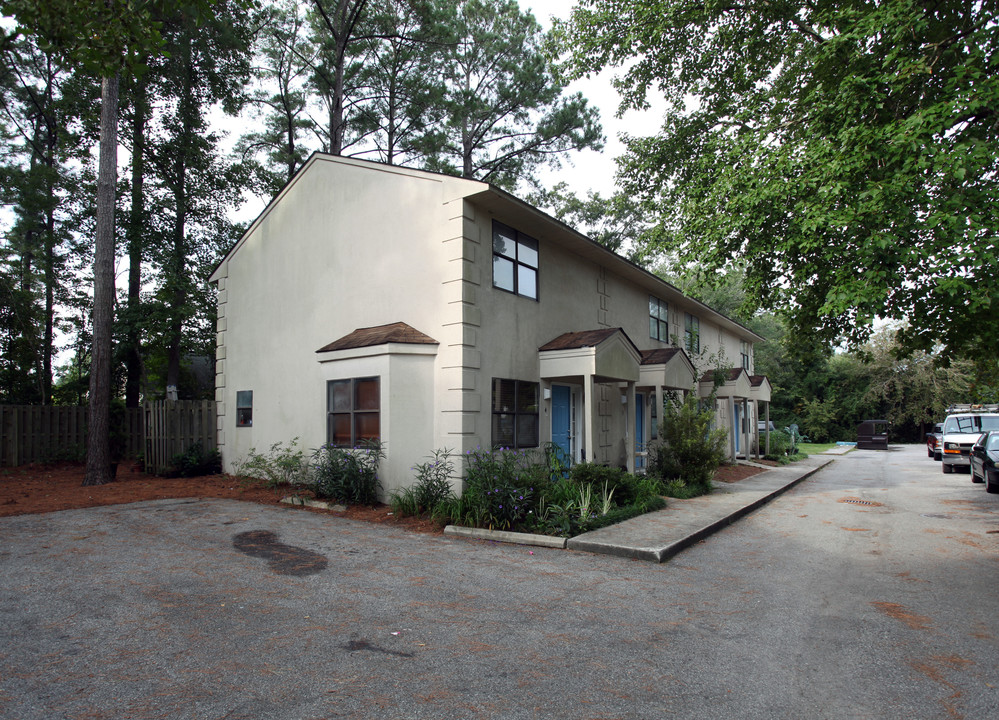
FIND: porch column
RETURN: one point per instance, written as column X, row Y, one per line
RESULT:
column 767, row 426
column 589, row 419
column 658, row 400
column 630, row 431
column 756, row 426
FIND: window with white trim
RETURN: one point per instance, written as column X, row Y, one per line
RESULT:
column 515, row 261
column 744, row 353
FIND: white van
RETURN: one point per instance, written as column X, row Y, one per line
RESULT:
column 960, row 431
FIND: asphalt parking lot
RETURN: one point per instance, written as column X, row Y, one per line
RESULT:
column 863, row 592
column 222, row 609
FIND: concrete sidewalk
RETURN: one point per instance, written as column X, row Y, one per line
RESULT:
column 658, row 536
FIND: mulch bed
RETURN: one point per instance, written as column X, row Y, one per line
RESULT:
column 34, row 489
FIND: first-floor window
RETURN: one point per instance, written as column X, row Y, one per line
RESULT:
column 353, row 414
column 692, row 333
column 515, row 413
column 244, row 408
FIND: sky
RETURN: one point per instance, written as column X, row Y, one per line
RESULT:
column 588, row 169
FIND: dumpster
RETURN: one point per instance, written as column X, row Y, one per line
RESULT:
column 872, row 435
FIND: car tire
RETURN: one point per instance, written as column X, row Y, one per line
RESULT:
column 929, row 453
column 947, row 469
column 938, row 457
column 991, row 487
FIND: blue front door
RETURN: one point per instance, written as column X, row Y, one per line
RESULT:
column 562, row 418
column 737, row 426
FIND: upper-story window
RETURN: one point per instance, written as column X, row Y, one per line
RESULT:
column 658, row 321
column 692, row 333
column 744, row 352
column 515, row 261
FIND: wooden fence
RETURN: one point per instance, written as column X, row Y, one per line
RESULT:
column 172, row 426
column 47, row 433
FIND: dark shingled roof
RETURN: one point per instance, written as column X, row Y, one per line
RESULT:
column 586, row 338
column 757, row 380
column 659, row 356
column 731, row 375
column 398, row 332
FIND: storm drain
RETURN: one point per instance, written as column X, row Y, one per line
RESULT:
column 858, row 501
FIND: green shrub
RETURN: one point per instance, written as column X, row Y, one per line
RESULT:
column 281, row 466
column 690, row 450
column 349, row 475
column 432, row 486
column 682, row 490
column 195, row 461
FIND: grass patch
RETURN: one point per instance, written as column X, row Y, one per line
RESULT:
column 813, row 448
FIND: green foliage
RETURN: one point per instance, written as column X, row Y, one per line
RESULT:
column 690, row 450
column 515, row 490
column 279, row 467
column 432, row 486
column 195, row 461
column 682, row 490
column 616, row 222
column 502, row 482
column 780, row 444
column 349, row 475
column 846, row 153
column 506, row 115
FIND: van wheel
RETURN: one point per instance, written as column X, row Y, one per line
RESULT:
column 991, row 487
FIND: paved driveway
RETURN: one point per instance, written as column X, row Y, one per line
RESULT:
column 221, row 609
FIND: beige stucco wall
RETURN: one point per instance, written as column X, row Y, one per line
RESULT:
column 575, row 294
column 351, row 244
column 345, row 246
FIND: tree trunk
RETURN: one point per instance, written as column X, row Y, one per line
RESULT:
column 98, row 432
column 133, row 353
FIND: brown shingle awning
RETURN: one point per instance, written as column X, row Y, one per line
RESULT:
column 586, row 338
column 398, row 332
column 660, row 356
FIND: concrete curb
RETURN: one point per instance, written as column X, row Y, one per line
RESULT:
column 506, row 537
column 618, row 548
column 673, row 549
column 669, row 549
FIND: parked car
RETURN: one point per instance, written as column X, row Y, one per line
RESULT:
column 934, row 446
column 960, row 431
column 984, row 455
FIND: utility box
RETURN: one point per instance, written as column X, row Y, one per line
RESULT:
column 872, row 435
